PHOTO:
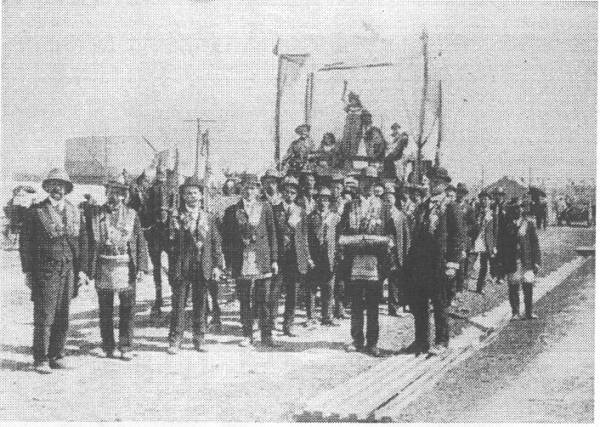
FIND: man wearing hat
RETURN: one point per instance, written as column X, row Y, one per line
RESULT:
column 250, row 247
column 373, row 137
column 157, row 217
column 308, row 190
column 296, row 157
column 51, row 246
column 198, row 259
column 294, row 257
column 322, row 241
column 467, row 215
column 115, row 243
column 270, row 186
column 399, row 144
column 433, row 262
column 501, row 225
column 362, row 272
column 398, row 228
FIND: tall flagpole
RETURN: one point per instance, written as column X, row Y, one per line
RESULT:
column 420, row 142
column 278, row 109
column 440, row 126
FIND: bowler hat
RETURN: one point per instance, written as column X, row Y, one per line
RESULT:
column 303, row 127
column 437, row 173
column 192, row 181
column 290, row 181
column 461, row 188
column 483, row 193
column 58, row 174
column 369, row 172
column 396, row 126
column 117, row 182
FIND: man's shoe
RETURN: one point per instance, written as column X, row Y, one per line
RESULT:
column 246, row 342
column 42, row 368
column 329, row 322
column 174, row 348
column 515, row 317
column 56, row 364
column 199, row 344
column 416, row 348
column 126, row 355
column 108, row 354
column 288, row 333
column 373, row 351
column 530, row 316
column 352, row 348
column 438, row 349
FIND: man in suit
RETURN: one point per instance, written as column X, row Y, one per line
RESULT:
column 485, row 242
column 270, row 185
column 294, row 257
column 51, row 245
column 398, row 227
column 114, row 229
column 433, row 262
column 363, row 271
column 308, row 190
column 197, row 260
column 296, row 157
column 501, row 225
column 250, row 244
column 338, row 204
column 156, row 232
column 467, row 215
column 322, row 242
column 373, row 137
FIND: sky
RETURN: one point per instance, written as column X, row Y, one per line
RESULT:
column 519, row 78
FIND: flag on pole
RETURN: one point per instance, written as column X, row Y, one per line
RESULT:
column 291, row 64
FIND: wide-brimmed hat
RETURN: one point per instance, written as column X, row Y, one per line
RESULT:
column 483, row 193
column 58, row 174
column 303, row 127
column 451, row 188
column 461, row 188
column 192, row 181
column 438, row 174
column 395, row 126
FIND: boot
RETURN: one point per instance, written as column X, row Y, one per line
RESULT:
column 528, row 297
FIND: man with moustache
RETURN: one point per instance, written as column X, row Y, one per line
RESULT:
column 294, row 257
column 197, row 260
column 432, row 263
column 250, row 244
column 115, row 240
column 51, row 244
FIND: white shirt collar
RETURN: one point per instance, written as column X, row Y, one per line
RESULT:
column 60, row 204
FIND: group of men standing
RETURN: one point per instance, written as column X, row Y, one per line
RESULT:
column 284, row 234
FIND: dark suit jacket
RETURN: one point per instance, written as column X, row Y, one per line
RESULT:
column 398, row 227
column 323, row 256
column 433, row 248
column 266, row 239
column 521, row 246
column 469, row 225
column 294, row 234
column 47, row 238
column 186, row 254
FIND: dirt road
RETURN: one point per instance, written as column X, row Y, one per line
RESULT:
column 227, row 383
column 540, row 371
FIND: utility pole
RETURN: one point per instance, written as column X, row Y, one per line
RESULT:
column 278, row 113
column 420, row 142
column 308, row 98
column 440, row 123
